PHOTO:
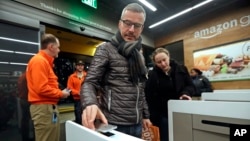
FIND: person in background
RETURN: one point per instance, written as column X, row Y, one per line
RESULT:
column 43, row 90
column 201, row 83
column 168, row 80
column 27, row 129
column 118, row 69
column 75, row 81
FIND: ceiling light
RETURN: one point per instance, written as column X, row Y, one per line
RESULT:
column 180, row 13
column 21, row 41
column 4, row 62
column 7, row 51
column 25, row 53
column 149, row 5
column 15, row 63
column 17, row 52
column 202, row 3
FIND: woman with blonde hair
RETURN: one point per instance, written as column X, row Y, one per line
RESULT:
column 168, row 80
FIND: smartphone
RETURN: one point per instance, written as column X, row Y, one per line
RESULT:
column 68, row 90
column 108, row 134
column 104, row 128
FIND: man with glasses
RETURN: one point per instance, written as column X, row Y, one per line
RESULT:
column 129, row 24
column 118, row 69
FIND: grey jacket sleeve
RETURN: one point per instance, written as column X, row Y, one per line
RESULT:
column 95, row 73
column 145, row 113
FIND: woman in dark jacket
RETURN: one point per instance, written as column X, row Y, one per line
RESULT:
column 168, row 80
column 201, row 83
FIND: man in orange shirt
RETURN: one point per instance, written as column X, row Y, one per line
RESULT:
column 43, row 90
column 75, row 81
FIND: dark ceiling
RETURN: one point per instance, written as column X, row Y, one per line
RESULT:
column 111, row 9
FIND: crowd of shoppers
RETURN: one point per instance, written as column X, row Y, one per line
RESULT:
column 131, row 97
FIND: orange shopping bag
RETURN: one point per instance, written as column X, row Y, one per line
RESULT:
column 151, row 133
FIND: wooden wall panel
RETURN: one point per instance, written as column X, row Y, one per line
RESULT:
column 233, row 34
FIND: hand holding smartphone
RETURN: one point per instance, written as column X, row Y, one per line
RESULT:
column 104, row 128
column 66, row 92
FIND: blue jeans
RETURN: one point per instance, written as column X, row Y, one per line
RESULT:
column 133, row 130
column 163, row 128
column 78, row 112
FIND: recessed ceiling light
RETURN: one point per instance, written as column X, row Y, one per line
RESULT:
column 180, row 13
column 149, row 5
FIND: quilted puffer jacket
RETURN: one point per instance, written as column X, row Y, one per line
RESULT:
column 122, row 102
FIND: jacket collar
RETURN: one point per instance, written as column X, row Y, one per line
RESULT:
column 47, row 57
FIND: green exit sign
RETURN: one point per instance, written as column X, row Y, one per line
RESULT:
column 92, row 3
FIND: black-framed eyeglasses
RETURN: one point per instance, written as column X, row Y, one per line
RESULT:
column 128, row 24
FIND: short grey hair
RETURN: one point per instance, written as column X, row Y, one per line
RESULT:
column 135, row 7
column 48, row 39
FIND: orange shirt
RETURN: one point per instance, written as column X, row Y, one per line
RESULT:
column 42, row 81
column 74, row 84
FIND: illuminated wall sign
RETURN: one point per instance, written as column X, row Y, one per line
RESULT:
column 73, row 9
column 215, row 30
column 92, row 3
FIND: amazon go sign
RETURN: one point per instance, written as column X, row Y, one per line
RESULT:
column 215, row 30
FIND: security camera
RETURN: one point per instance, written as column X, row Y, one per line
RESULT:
column 82, row 28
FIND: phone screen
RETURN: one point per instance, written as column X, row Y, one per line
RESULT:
column 108, row 134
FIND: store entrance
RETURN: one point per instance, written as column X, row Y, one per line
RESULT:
column 73, row 47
